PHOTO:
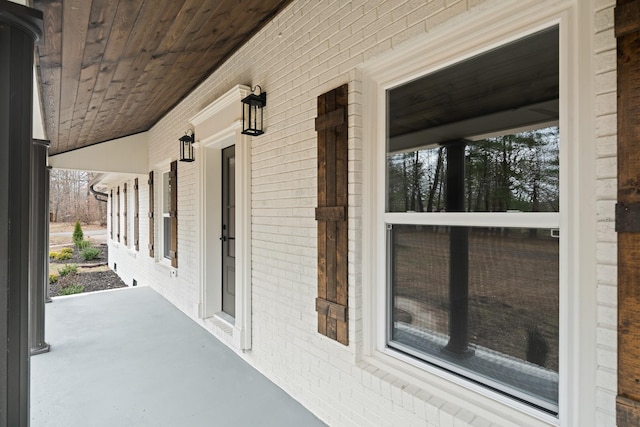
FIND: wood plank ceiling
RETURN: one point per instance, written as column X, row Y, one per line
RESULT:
column 112, row 68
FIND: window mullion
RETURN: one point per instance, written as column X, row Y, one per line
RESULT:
column 476, row 219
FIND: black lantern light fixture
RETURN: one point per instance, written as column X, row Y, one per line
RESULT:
column 186, row 147
column 252, row 115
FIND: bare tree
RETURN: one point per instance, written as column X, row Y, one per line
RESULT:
column 70, row 199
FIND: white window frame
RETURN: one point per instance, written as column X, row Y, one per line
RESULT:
column 491, row 28
column 218, row 126
column 130, row 214
column 160, row 256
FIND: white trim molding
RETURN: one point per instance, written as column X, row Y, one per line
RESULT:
column 493, row 25
column 218, row 126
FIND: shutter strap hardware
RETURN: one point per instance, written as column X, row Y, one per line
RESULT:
column 331, row 309
column 628, row 217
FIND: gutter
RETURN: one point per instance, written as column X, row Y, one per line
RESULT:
column 100, row 196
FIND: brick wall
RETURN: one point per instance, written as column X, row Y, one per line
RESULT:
column 310, row 48
column 605, row 121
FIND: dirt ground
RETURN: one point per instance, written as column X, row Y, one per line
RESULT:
column 93, row 275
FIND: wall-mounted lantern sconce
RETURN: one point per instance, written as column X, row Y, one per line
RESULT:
column 186, row 147
column 252, row 115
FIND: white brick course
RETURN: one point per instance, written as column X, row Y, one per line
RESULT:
column 606, row 187
column 310, row 48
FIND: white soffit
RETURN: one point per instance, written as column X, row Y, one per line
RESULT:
column 123, row 155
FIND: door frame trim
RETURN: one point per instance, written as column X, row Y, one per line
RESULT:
column 217, row 126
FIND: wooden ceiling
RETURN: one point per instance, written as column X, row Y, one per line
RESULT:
column 112, row 68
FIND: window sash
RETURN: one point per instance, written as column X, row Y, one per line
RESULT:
column 543, row 377
column 383, row 218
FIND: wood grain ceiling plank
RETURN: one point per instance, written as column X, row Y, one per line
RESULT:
column 143, row 43
column 49, row 48
column 75, row 20
column 88, row 76
column 238, row 29
column 50, row 94
column 155, row 77
column 229, row 16
column 199, row 32
column 121, row 27
column 158, row 71
column 175, row 31
column 100, row 21
column 183, row 76
column 140, row 59
column 49, row 61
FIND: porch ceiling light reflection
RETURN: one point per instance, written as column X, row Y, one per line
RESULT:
column 186, row 146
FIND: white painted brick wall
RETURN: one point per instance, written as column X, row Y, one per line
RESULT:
column 310, row 48
column 606, row 173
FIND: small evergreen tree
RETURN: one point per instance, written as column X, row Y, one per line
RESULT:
column 78, row 235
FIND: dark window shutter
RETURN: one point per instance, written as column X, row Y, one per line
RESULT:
column 151, row 218
column 331, row 214
column 111, row 213
column 124, row 215
column 627, row 31
column 173, row 212
column 136, row 215
column 118, row 213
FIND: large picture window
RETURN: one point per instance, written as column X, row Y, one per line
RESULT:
column 473, row 219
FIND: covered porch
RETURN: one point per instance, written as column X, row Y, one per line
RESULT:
column 129, row 357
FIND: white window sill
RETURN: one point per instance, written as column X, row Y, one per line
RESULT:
column 396, row 368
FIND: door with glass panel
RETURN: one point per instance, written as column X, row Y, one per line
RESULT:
column 228, row 231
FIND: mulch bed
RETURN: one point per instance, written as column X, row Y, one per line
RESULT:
column 94, row 275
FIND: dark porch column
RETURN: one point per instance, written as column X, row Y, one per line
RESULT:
column 19, row 27
column 39, row 268
column 458, row 252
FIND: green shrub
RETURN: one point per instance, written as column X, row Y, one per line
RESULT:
column 90, row 253
column 53, row 278
column 77, row 236
column 66, row 251
column 67, row 269
column 73, row 288
column 83, row 244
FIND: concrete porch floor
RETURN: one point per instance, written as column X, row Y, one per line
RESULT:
column 130, row 358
